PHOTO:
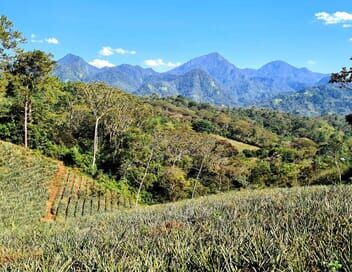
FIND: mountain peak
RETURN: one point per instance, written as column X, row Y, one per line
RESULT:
column 212, row 63
column 214, row 55
column 69, row 58
column 74, row 68
column 278, row 64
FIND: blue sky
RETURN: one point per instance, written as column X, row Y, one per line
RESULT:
column 164, row 33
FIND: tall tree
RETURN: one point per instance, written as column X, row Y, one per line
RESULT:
column 30, row 75
column 101, row 100
column 344, row 78
column 10, row 40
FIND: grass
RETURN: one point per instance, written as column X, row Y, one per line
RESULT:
column 300, row 229
column 240, row 146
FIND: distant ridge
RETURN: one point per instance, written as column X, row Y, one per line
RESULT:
column 209, row 78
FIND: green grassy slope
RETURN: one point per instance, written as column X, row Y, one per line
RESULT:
column 300, row 229
column 240, row 146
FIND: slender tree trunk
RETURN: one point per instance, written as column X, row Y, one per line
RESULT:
column 95, row 144
column 26, row 123
column 29, row 112
column 178, row 158
column 144, row 176
column 338, row 169
column 197, row 178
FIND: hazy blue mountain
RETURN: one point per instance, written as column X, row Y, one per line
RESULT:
column 315, row 101
column 125, row 76
column 249, row 85
column 285, row 71
column 209, row 78
column 74, row 68
column 215, row 65
column 324, row 80
column 195, row 84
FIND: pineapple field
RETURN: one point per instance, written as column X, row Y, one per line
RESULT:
column 33, row 188
column 55, row 219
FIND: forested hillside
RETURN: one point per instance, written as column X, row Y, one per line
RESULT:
column 321, row 100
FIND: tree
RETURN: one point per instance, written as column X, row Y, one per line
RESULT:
column 140, row 162
column 203, row 126
column 344, row 78
column 203, row 151
column 100, row 100
column 349, row 119
column 30, row 75
column 333, row 150
column 128, row 112
column 174, row 182
column 10, row 39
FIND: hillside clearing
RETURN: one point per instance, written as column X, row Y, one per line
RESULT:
column 240, row 146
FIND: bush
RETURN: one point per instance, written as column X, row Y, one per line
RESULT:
column 203, row 126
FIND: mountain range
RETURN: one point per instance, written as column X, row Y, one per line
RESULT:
column 210, row 78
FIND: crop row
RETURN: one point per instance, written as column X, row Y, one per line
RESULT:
column 79, row 196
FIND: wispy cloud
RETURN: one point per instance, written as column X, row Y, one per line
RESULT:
column 99, row 63
column 50, row 40
column 109, row 51
column 311, row 62
column 155, row 63
column 339, row 17
column 35, row 40
column 347, row 25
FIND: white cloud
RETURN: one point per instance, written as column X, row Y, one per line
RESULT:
column 106, row 51
column 109, row 51
column 35, row 40
column 311, row 62
column 154, row 63
column 121, row 51
column 338, row 17
column 101, row 63
column 350, row 39
column 347, row 25
column 52, row 40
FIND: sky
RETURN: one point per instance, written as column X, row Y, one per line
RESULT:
column 163, row 34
